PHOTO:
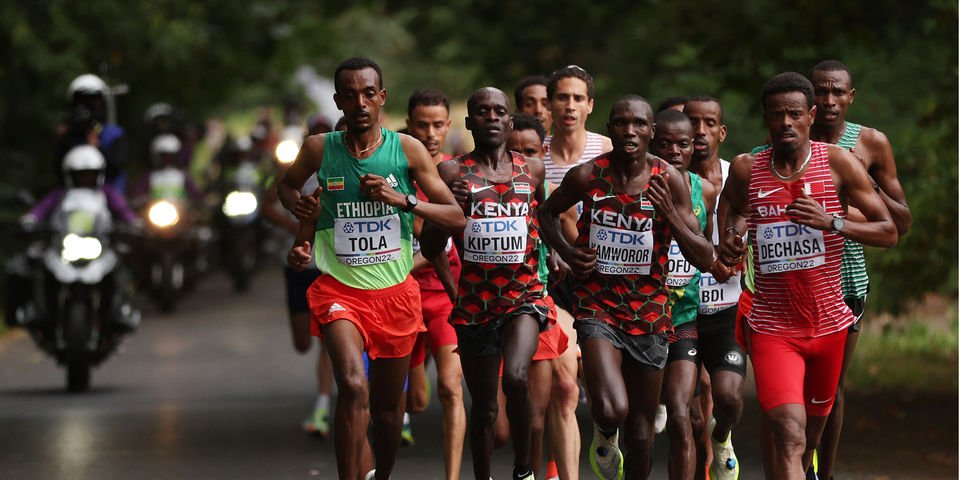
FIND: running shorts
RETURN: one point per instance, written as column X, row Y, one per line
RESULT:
column 484, row 338
column 648, row 349
column 719, row 349
column 297, row 284
column 682, row 344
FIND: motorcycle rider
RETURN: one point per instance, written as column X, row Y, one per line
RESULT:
column 163, row 156
column 89, row 124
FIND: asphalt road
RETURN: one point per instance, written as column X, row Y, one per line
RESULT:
column 216, row 391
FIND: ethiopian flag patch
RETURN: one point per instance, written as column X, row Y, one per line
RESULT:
column 334, row 184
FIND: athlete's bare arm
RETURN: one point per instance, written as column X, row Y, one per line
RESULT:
column 854, row 184
column 710, row 193
column 670, row 196
column 877, row 155
column 734, row 208
column 307, row 163
column 301, row 253
column 571, row 190
column 442, row 209
column 433, row 240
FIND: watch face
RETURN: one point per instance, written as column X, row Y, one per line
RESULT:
column 838, row 224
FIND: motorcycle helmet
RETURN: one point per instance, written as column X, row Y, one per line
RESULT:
column 164, row 149
column 84, row 166
column 86, row 84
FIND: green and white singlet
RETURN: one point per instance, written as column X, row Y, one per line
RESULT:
column 853, row 268
column 362, row 243
column 683, row 279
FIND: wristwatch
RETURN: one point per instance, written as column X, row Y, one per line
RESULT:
column 838, row 223
column 412, row 202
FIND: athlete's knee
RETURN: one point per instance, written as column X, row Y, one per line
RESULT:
column 450, row 390
column 515, row 382
column 565, row 393
column 352, row 385
column 697, row 423
column 417, row 401
column 609, row 412
column 727, row 401
column 789, row 434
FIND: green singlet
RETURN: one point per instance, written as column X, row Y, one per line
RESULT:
column 685, row 300
column 361, row 243
column 853, row 268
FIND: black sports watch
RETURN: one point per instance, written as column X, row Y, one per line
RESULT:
column 412, row 202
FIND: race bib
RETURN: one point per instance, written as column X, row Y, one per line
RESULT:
column 367, row 241
column 679, row 270
column 621, row 252
column 787, row 246
column 500, row 240
column 716, row 296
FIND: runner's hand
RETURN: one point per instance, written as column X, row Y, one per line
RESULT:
column 308, row 206
column 299, row 257
column 377, row 188
column 459, row 190
column 807, row 211
column 660, row 196
column 558, row 268
column 582, row 261
column 721, row 272
column 732, row 248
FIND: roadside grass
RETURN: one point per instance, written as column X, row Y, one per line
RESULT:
column 915, row 353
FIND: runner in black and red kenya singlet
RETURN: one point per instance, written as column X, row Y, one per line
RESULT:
column 633, row 204
column 793, row 197
column 501, row 306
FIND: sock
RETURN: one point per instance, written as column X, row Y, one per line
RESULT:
column 323, row 402
column 607, row 433
column 406, row 418
column 521, row 471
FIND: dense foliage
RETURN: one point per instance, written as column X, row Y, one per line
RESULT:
column 216, row 56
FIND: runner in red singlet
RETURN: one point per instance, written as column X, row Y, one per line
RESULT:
column 501, row 305
column 792, row 199
column 633, row 204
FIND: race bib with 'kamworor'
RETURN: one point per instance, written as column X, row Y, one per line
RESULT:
column 622, row 252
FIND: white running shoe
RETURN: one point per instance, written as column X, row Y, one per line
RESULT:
column 725, row 465
column 660, row 421
column 371, row 474
column 605, row 456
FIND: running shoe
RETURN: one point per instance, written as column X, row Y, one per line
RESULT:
column 816, row 462
column 318, row 423
column 523, row 476
column 724, row 465
column 812, row 474
column 605, row 457
column 552, row 472
column 371, row 474
column 406, row 434
column 660, row 421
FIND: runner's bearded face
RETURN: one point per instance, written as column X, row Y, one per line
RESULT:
column 488, row 119
column 673, row 142
column 631, row 128
column 525, row 142
column 360, row 98
column 571, row 105
column 708, row 128
column 832, row 95
column 535, row 102
column 430, row 124
column 788, row 120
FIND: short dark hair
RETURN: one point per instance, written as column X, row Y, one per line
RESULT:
column 525, row 121
column 427, row 97
column 708, row 99
column 671, row 115
column 357, row 63
column 787, row 82
column 831, row 66
column 569, row 71
column 625, row 99
column 671, row 102
column 526, row 82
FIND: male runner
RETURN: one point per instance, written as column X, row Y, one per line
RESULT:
column 553, row 373
column 792, row 200
column 502, row 306
column 531, row 98
column 428, row 120
column 722, row 357
column 833, row 93
column 673, row 142
column 365, row 300
column 633, row 204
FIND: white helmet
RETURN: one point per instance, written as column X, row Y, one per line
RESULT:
column 87, row 83
column 157, row 110
column 84, row 157
column 166, row 143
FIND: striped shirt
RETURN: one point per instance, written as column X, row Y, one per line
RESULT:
column 853, row 269
column 797, row 268
column 592, row 149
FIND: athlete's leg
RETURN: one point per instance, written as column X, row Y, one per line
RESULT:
column 706, row 410
column 501, row 435
column 481, row 375
column 300, row 328
column 519, row 342
column 643, row 388
column 417, row 399
column 605, row 384
column 698, row 425
column 343, row 341
column 788, row 424
column 830, row 441
column 680, row 379
column 450, row 392
column 387, row 377
column 540, row 381
column 727, row 401
column 562, row 428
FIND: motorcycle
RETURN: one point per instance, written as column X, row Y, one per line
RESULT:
column 77, row 309
column 241, row 228
column 174, row 242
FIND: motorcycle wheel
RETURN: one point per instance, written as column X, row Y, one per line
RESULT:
column 76, row 338
column 167, row 291
column 246, row 261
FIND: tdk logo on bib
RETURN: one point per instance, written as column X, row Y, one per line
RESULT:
column 787, row 246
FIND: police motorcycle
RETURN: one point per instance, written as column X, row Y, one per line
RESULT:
column 173, row 250
column 75, row 291
column 241, row 230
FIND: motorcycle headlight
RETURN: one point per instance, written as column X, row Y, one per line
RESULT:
column 287, row 151
column 239, row 204
column 77, row 248
column 163, row 214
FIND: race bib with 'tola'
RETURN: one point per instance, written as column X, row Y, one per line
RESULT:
column 367, row 241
